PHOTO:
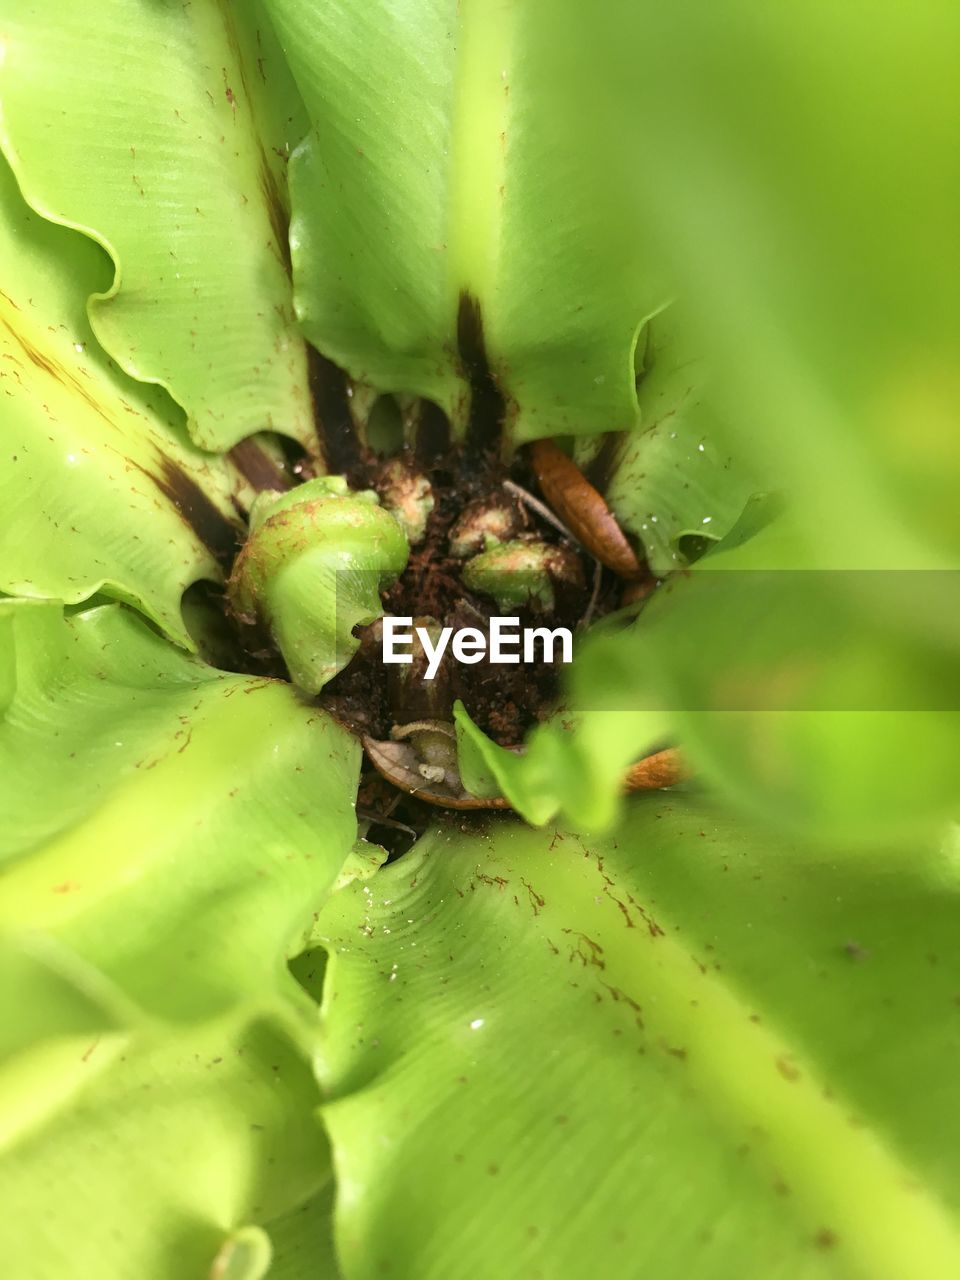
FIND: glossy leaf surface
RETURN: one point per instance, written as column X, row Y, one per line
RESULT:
column 169, row 834
column 443, row 200
column 143, row 1154
column 101, row 490
column 173, row 826
column 683, row 1048
column 674, row 483
column 183, row 117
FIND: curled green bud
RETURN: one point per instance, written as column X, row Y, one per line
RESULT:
column 312, row 570
column 518, row 574
column 407, row 494
column 484, row 524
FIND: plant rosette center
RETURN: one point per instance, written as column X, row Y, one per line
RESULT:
column 392, row 601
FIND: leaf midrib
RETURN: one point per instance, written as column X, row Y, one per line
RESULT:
column 751, row 1077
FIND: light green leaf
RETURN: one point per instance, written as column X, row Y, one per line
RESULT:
column 49, row 993
column 682, row 1050
column 828, row 312
column 822, row 700
column 169, row 833
column 826, row 703
column 160, row 1157
column 100, row 489
column 455, row 195
column 674, row 478
column 802, row 192
column 574, row 763
column 174, row 827
column 161, row 130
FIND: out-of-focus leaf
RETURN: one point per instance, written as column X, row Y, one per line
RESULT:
column 824, row 293
column 443, row 165
column 161, row 130
column 172, row 826
column 681, row 1050
column 808, row 694
column 48, row 992
column 817, row 703
column 158, row 1156
column 672, row 478
column 803, row 191
column 100, row 489
column 573, row 764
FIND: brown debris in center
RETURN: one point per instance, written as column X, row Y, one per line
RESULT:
column 505, row 700
column 455, row 502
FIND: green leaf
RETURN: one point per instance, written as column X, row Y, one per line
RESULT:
column 160, row 1154
column 454, row 195
column 48, row 993
column 681, row 1050
column 170, row 833
column 574, row 763
column 802, row 194
column 828, row 313
column 183, row 116
column 819, row 699
column 673, row 479
column 100, row 489
column 174, row 827
column 830, row 700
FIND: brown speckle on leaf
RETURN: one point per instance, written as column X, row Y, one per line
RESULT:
column 85, row 1057
column 788, row 1069
column 228, row 92
column 536, row 900
column 853, row 951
